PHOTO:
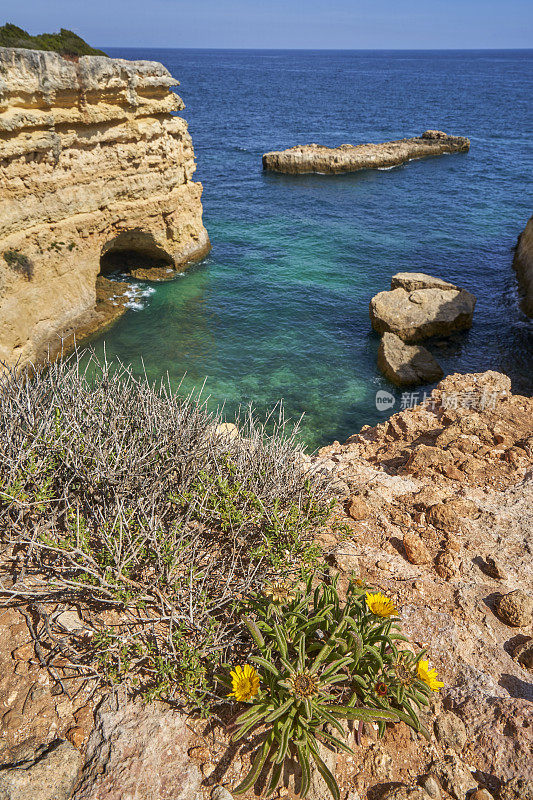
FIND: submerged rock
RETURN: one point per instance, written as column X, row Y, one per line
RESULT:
column 405, row 364
column 350, row 158
column 437, row 308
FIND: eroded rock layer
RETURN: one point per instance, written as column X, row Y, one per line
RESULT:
column 92, row 161
column 523, row 264
column 419, row 306
column 350, row 158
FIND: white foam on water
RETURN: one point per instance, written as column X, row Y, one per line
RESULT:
column 136, row 294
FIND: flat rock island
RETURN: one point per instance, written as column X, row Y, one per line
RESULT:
column 350, row 158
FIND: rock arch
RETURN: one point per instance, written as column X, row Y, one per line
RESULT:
column 136, row 251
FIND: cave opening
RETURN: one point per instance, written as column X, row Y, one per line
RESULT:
column 135, row 252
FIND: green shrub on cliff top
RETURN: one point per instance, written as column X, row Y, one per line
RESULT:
column 65, row 42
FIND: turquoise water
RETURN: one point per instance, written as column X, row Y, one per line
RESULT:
column 279, row 309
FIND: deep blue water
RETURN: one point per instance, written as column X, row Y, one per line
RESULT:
column 280, row 307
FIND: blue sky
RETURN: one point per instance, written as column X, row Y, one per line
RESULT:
column 343, row 24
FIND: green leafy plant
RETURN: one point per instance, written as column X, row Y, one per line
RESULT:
column 65, row 42
column 319, row 661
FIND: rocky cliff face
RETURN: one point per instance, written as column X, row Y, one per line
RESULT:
column 523, row 264
column 438, row 501
column 92, row 164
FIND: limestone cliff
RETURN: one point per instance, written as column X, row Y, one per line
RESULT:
column 523, row 264
column 92, row 163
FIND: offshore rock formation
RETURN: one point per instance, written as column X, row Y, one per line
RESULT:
column 92, row 166
column 419, row 306
column 523, row 264
column 350, row 158
column 405, row 364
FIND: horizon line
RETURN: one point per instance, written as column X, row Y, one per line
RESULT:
column 328, row 49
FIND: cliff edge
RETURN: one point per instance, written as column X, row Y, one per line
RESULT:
column 93, row 163
column 523, row 264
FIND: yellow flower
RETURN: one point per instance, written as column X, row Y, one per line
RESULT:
column 381, row 605
column 245, row 682
column 429, row 676
column 279, row 592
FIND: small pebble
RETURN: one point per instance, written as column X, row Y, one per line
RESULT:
column 431, row 786
column 221, row 793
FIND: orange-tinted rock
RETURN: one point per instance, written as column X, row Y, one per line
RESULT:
column 350, row 158
column 415, row 549
column 357, row 508
column 516, row 608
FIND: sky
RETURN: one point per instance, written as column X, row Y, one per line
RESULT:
column 330, row 24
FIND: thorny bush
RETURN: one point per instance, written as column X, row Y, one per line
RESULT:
column 131, row 503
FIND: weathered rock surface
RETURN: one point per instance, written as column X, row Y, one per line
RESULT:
column 418, row 280
column 449, row 484
column 523, row 264
column 139, row 752
column 428, row 310
column 51, row 776
column 350, row 158
column 407, row 365
column 92, row 163
column 516, row 608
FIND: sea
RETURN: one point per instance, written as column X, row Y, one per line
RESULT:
column 279, row 309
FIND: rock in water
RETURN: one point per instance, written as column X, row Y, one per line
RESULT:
column 407, row 365
column 433, row 308
column 418, row 280
column 350, row 158
column 523, row 264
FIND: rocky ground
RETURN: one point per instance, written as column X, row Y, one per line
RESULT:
column 433, row 508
